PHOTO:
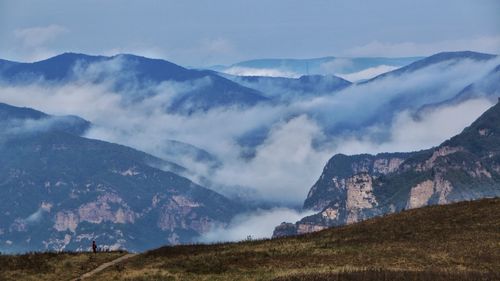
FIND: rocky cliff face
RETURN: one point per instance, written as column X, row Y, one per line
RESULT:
column 354, row 188
column 61, row 191
column 342, row 176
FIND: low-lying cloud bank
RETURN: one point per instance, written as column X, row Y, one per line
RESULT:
column 270, row 72
column 301, row 134
column 366, row 74
column 331, row 68
column 256, row 225
column 409, row 132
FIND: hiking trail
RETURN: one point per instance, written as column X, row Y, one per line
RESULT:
column 103, row 267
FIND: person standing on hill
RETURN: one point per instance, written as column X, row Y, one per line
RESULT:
column 94, row 247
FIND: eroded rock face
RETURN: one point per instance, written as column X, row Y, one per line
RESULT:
column 330, row 213
column 360, row 192
column 386, row 165
column 440, row 152
column 96, row 212
column 420, row 194
column 354, row 188
column 442, row 188
column 331, row 186
column 66, row 220
column 303, row 228
column 101, row 210
column 359, row 196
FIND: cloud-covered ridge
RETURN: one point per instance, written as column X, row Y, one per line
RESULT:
column 272, row 151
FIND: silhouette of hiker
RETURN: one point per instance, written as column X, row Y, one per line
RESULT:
column 94, row 247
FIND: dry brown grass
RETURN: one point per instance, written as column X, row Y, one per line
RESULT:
column 454, row 242
column 386, row 275
column 51, row 266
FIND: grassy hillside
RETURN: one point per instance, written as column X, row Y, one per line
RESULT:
column 452, row 242
column 51, row 266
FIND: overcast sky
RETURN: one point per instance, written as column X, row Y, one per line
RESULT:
column 204, row 32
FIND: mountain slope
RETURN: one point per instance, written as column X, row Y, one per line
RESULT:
column 437, row 80
column 448, row 57
column 63, row 191
column 486, row 86
column 13, row 120
column 433, row 243
column 6, row 64
column 354, row 188
column 136, row 77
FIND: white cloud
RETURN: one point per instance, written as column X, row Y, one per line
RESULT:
column 34, row 42
column 39, row 35
column 207, row 51
column 258, row 225
column 300, row 140
column 358, row 105
column 270, row 72
column 366, row 73
column 148, row 51
column 25, row 126
column 286, row 163
column 336, row 65
column 410, row 133
column 218, row 45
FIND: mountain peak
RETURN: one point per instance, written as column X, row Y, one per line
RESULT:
column 71, row 57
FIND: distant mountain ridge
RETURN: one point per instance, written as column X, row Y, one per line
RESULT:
column 434, row 59
column 286, row 89
column 322, row 66
column 206, row 90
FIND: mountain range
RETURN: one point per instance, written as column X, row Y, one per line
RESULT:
column 65, row 189
column 286, row 89
column 343, row 66
column 134, row 76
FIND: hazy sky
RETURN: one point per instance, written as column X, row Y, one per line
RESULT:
column 207, row 32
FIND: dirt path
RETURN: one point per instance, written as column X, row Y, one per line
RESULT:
column 104, row 266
